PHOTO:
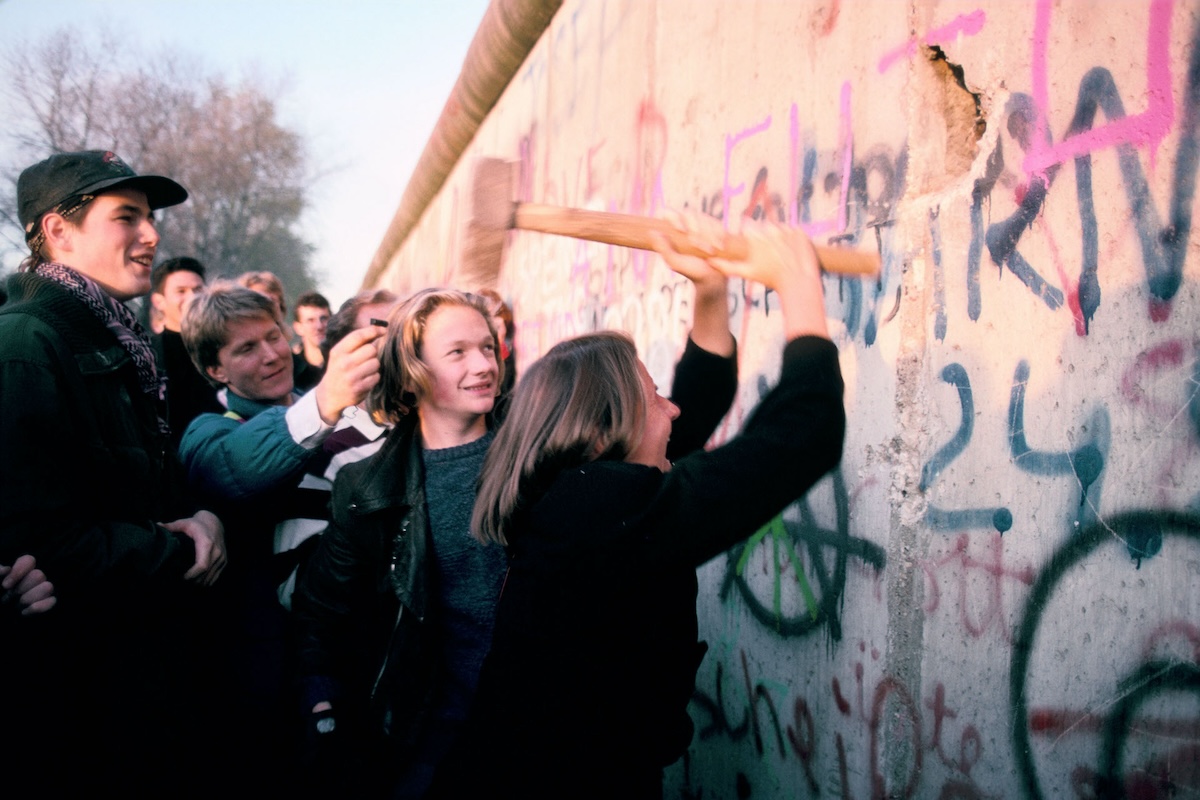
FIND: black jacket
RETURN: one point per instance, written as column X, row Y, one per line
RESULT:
column 361, row 609
column 189, row 394
column 595, row 650
column 84, row 471
column 370, row 580
column 84, row 476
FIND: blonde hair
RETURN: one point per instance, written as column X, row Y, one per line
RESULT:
column 403, row 376
column 583, row 401
column 263, row 281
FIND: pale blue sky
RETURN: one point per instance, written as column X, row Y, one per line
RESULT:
column 366, row 81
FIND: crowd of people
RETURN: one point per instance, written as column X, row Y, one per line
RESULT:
column 371, row 562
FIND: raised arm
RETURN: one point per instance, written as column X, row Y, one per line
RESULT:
column 352, row 371
column 710, row 500
column 710, row 316
column 783, row 259
column 705, row 381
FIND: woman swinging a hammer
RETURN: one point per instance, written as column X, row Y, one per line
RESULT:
column 602, row 493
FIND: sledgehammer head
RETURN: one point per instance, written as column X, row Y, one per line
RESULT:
column 492, row 208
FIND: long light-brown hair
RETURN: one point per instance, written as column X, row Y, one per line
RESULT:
column 403, row 376
column 582, row 401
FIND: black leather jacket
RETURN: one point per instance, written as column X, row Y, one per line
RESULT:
column 369, row 583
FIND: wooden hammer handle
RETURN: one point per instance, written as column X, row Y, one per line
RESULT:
column 627, row 230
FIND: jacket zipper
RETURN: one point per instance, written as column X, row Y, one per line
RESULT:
column 383, row 667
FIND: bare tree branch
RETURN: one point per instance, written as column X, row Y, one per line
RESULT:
column 245, row 172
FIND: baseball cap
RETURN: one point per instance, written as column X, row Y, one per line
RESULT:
column 62, row 176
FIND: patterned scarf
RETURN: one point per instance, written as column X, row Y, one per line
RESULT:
column 121, row 321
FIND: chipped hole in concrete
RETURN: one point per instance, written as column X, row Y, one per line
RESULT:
column 965, row 124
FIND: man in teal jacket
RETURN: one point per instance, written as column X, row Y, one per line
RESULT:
column 253, row 464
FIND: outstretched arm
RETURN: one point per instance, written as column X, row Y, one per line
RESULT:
column 712, row 499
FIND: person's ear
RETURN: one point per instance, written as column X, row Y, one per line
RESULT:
column 58, row 233
column 158, row 300
column 217, row 373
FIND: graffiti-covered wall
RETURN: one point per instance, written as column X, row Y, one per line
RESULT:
column 998, row 592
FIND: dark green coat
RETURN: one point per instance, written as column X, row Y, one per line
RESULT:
column 84, row 471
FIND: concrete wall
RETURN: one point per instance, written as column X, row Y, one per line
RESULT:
column 997, row 595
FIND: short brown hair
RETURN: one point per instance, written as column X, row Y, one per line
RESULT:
column 205, row 327
column 310, row 300
column 169, row 267
column 583, row 401
column 404, row 377
column 342, row 321
column 497, row 307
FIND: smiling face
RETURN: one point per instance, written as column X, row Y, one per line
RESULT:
column 660, row 413
column 256, row 362
column 113, row 245
column 460, row 353
column 178, row 290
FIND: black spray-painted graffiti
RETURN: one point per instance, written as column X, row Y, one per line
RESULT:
column 787, row 536
column 1163, row 247
column 1084, row 463
column 1107, row 779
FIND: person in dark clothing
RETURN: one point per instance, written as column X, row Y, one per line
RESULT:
column 595, row 650
column 90, row 487
column 173, row 285
column 310, row 323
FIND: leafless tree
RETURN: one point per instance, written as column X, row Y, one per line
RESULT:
column 245, row 172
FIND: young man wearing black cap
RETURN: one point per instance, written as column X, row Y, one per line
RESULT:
column 89, row 485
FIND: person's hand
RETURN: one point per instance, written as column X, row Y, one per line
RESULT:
column 324, row 743
column 702, row 232
column 26, row 585
column 710, row 314
column 208, row 535
column 784, row 260
column 777, row 255
column 351, row 372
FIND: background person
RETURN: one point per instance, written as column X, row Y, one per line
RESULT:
column 357, row 312
column 503, row 322
column 502, row 319
column 267, row 283
column 310, row 323
column 173, row 285
column 594, row 656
